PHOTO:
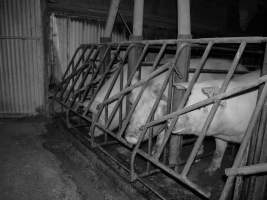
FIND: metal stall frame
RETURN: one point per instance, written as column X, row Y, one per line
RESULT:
column 68, row 96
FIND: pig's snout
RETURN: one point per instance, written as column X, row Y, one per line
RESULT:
column 181, row 125
column 131, row 138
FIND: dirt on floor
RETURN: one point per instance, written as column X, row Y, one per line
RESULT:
column 38, row 162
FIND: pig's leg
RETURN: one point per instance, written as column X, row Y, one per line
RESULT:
column 217, row 156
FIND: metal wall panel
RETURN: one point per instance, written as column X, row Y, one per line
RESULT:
column 21, row 58
column 68, row 33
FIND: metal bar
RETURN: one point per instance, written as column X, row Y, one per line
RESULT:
column 247, row 170
column 102, row 79
column 149, row 151
column 113, row 135
column 72, row 86
column 123, row 166
column 92, row 128
column 213, row 111
column 113, row 82
column 112, row 13
column 109, row 90
column 107, row 143
column 106, row 119
column 229, row 40
column 129, row 115
column 102, row 61
column 230, row 180
column 96, row 124
column 217, row 71
column 171, row 172
column 64, row 78
column 128, row 83
column 76, row 95
column 67, row 80
column 138, row 17
column 151, row 114
column 125, row 23
column 71, row 63
column 121, row 105
column 148, row 173
column 127, row 170
column 185, row 97
column 183, row 18
column 139, row 83
column 74, row 73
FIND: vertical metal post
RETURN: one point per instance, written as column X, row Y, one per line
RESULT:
column 137, row 33
column 184, row 32
column 113, row 10
column 135, row 52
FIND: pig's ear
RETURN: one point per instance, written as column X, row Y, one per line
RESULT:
column 181, row 86
column 210, row 91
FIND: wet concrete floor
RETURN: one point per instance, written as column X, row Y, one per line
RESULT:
column 39, row 163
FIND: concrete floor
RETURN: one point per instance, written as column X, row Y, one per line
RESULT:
column 37, row 163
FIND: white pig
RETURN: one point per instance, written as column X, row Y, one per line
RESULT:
column 231, row 119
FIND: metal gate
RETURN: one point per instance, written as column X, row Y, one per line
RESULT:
column 82, row 81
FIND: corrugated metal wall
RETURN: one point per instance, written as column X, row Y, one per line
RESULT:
column 68, row 33
column 21, row 57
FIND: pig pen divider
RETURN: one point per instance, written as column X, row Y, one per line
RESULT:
column 81, row 82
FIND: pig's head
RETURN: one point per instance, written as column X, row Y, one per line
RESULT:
column 143, row 110
column 192, row 122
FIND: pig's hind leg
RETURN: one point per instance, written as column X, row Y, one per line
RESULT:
column 217, row 156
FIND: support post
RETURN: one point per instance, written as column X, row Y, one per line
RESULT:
column 113, row 10
column 135, row 52
column 184, row 32
column 137, row 33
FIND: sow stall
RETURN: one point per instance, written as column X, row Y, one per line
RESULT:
column 88, row 71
